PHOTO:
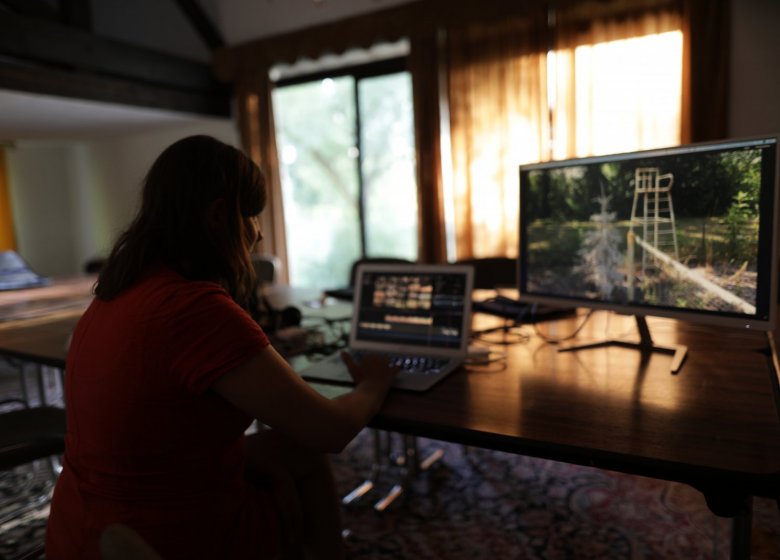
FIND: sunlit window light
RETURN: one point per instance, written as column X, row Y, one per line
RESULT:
column 628, row 93
column 328, row 86
column 289, row 154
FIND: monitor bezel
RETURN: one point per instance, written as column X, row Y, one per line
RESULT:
column 693, row 315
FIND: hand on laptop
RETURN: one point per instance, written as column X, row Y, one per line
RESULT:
column 371, row 367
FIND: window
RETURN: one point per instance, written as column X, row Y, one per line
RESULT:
column 605, row 85
column 617, row 86
column 347, row 161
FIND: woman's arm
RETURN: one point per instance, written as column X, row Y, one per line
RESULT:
column 267, row 388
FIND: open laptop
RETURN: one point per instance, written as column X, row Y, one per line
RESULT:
column 419, row 315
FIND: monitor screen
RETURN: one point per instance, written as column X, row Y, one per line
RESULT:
column 685, row 232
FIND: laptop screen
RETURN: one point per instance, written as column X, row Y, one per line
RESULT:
column 413, row 307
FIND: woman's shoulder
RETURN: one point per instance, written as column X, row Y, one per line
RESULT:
column 167, row 280
column 162, row 291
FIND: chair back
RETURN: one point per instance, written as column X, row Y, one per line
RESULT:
column 29, row 434
column 373, row 260
column 491, row 273
column 266, row 268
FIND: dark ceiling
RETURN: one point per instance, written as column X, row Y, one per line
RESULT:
column 49, row 48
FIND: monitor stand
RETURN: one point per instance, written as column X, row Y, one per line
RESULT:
column 645, row 345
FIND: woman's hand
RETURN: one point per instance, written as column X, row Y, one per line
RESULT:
column 371, row 367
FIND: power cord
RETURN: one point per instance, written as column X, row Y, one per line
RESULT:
column 552, row 340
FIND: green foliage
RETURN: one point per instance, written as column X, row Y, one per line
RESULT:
column 323, row 157
column 704, row 186
column 741, row 222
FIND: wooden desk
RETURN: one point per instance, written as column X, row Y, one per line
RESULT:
column 715, row 425
column 35, row 325
column 62, row 295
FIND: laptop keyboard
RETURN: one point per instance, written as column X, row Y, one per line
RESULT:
column 410, row 364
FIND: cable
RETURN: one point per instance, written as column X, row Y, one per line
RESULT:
column 508, row 336
column 551, row 340
column 493, row 365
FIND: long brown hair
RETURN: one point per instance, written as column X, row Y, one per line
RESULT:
column 173, row 227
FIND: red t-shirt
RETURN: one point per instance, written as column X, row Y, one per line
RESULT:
column 148, row 444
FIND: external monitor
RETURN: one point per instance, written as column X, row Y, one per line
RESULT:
column 687, row 232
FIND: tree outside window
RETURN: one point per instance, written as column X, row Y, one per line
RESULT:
column 347, row 161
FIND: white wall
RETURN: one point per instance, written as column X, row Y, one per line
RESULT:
column 72, row 198
column 39, row 178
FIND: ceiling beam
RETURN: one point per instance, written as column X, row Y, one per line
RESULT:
column 50, row 43
column 77, row 13
column 36, row 54
column 33, row 8
column 94, row 87
column 202, row 23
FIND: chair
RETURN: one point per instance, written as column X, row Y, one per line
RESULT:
column 653, row 210
column 26, row 435
column 373, row 260
column 94, row 265
column 266, row 269
column 266, row 273
column 492, row 273
column 29, row 434
column 348, row 292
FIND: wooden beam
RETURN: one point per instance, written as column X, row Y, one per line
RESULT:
column 202, row 23
column 77, row 13
column 32, row 8
column 44, row 42
column 84, row 85
column 413, row 19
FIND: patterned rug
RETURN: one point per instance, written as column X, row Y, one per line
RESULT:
column 477, row 504
column 24, row 494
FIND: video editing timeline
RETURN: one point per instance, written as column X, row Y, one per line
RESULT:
column 419, row 309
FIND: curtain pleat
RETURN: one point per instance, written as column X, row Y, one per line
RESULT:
column 498, row 119
column 256, row 126
column 706, row 74
column 618, row 81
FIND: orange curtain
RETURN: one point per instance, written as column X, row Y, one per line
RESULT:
column 7, row 237
column 497, row 94
column 617, row 80
column 256, row 125
column 707, row 49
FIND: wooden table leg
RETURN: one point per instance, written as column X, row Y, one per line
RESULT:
column 741, row 528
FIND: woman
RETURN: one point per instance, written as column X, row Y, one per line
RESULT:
column 167, row 370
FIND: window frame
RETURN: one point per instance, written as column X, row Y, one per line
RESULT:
column 357, row 72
